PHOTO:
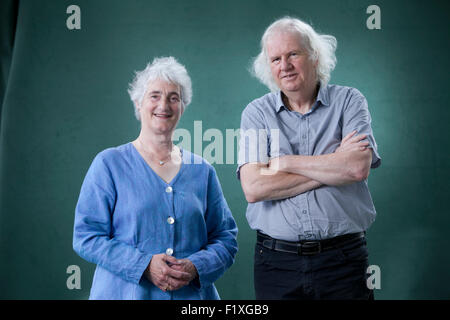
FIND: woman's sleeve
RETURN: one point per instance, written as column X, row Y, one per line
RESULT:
column 218, row 255
column 93, row 236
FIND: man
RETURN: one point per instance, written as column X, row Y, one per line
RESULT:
column 305, row 178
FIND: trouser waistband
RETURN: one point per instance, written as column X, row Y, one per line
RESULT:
column 307, row 248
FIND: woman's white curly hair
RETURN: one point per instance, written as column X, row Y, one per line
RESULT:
column 163, row 68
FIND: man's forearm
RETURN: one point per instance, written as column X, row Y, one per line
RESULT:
column 285, row 185
column 258, row 186
column 330, row 169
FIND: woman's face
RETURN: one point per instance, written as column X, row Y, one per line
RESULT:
column 161, row 107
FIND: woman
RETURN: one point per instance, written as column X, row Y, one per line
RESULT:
column 151, row 216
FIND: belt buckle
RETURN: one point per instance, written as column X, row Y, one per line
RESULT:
column 310, row 245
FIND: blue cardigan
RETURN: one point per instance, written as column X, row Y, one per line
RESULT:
column 126, row 213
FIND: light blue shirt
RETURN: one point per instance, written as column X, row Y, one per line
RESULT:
column 126, row 213
column 325, row 212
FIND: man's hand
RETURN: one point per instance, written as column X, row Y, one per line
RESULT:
column 351, row 143
column 161, row 273
column 348, row 164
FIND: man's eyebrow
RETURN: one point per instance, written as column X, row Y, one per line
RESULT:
column 173, row 92
column 155, row 92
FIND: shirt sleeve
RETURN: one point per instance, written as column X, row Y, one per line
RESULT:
column 218, row 255
column 253, row 140
column 356, row 116
column 93, row 237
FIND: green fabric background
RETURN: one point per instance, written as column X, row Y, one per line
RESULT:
column 64, row 99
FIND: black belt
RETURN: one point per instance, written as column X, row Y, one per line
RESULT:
column 307, row 248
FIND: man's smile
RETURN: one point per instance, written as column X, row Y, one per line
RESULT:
column 289, row 76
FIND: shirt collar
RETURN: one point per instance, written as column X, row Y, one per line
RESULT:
column 280, row 103
column 322, row 96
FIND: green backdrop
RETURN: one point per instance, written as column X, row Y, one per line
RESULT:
column 64, row 99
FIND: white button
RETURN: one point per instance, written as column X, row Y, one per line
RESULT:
column 169, row 189
column 169, row 251
column 170, row 220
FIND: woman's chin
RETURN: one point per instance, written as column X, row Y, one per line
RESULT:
column 163, row 129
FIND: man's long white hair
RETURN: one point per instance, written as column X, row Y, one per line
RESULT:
column 320, row 48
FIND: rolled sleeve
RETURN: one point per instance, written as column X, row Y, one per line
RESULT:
column 357, row 117
column 253, row 141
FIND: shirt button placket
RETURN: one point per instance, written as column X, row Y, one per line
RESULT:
column 305, row 218
column 302, row 200
column 307, row 223
column 170, row 221
column 303, row 135
column 307, row 215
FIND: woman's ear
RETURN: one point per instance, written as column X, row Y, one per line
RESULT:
column 137, row 110
column 182, row 109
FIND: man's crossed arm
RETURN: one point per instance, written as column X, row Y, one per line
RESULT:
column 288, row 176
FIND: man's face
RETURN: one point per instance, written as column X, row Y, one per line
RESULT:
column 290, row 65
column 161, row 107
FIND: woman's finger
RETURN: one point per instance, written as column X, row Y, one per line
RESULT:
column 177, row 274
column 170, row 260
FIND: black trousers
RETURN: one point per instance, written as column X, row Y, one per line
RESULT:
column 339, row 273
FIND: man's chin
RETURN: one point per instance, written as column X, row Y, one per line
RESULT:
column 291, row 88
